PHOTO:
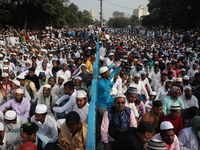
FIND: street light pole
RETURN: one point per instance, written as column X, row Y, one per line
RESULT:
column 101, row 13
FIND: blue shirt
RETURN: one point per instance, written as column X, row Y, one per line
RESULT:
column 104, row 88
column 168, row 101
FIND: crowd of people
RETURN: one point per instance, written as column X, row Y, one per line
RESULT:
column 148, row 89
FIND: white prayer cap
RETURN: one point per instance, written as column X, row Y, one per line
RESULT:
column 50, row 55
column 183, row 69
column 186, row 77
column 160, row 59
column 47, row 86
column 156, row 62
column 179, row 79
column 61, row 76
column 110, row 54
column 16, row 82
column 21, row 76
column 81, row 94
column 103, row 70
column 135, row 59
column 19, row 91
column 175, row 106
column 137, row 75
column 89, row 47
column 187, row 87
column 10, row 115
column 5, row 60
column 41, row 109
column 39, row 55
column 168, row 80
column 78, row 78
column 13, row 53
column 153, row 93
column 143, row 72
column 145, row 59
column 5, row 68
column 1, row 55
column 1, row 126
column 166, row 125
column 119, row 95
column 4, row 75
column 28, row 61
column 25, row 55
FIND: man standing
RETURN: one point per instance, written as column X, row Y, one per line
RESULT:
column 105, row 100
column 167, row 136
column 19, row 104
column 116, row 120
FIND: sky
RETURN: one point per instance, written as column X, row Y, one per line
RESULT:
column 109, row 6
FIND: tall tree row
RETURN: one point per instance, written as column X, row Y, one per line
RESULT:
column 37, row 14
column 175, row 14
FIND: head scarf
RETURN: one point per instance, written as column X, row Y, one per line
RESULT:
column 173, row 90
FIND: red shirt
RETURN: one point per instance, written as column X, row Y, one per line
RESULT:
column 177, row 123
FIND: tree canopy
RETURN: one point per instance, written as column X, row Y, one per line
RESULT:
column 175, row 14
column 36, row 14
column 123, row 22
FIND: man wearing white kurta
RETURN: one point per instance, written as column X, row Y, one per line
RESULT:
column 47, row 124
column 188, row 99
column 188, row 137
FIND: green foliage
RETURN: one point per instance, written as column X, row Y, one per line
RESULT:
column 174, row 14
column 123, row 22
column 37, row 14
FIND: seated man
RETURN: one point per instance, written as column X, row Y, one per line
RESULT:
column 115, row 119
column 154, row 115
column 140, row 105
column 135, row 138
column 175, row 118
column 172, row 97
column 47, row 124
column 81, row 107
column 149, row 102
column 19, row 104
column 28, row 134
column 167, row 136
column 65, row 104
column 79, row 84
column 188, row 137
column 131, row 96
column 12, row 121
column 47, row 98
column 188, row 99
column 73, row 133
column 8, row 140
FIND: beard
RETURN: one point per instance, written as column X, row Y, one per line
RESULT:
column 188, row 96
column 46, row 95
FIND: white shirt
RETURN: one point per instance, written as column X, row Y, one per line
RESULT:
column 146, row 82
column 68, row 106
column 153, row 76
column 132, row 106
column 189, row 102
column 83, row 112
column 148, row 107
column 140, row 88
column 47, row 72
column 15, row 127
column 66, row 74
column 117, row 87
column 161, row 93
column 102, row 52
column 54, row 90
column 191, row 73
column 188, row 140
column 11, row 139
column 48, row 128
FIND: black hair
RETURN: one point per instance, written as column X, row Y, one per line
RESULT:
column 157, row 103
column 69, row 84
column 29, row 128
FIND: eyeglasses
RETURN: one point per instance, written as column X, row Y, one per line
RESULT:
column 120, row 102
